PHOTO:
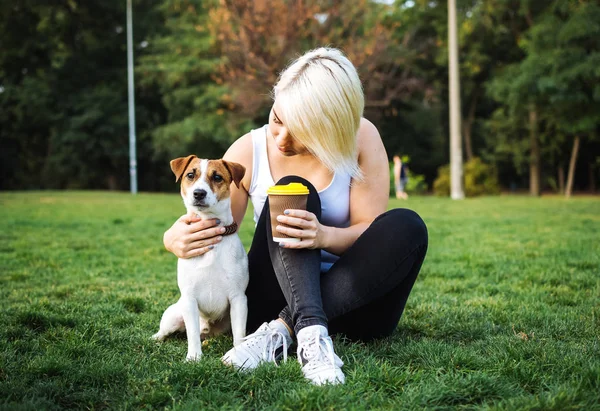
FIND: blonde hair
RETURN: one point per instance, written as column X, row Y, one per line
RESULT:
column 321, row 99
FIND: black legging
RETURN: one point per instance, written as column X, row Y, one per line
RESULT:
column 363, row 294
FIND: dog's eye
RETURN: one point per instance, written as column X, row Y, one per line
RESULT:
column 217, row 178
column 190, row 175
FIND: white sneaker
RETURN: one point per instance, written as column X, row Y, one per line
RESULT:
column 267, row 344
column 319, row 363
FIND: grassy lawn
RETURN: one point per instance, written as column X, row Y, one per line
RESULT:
column 505, row 313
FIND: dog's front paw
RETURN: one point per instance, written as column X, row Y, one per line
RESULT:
column 158, row 337
column 193, row 356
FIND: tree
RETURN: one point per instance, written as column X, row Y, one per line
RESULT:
column 181, row 63
column 64, row 101
column 570, row 34
column 487, row 32
column 256, row 49
column 554, row 88
column 485, row 44
column 517, row 87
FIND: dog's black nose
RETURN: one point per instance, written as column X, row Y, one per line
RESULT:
column 199, row 194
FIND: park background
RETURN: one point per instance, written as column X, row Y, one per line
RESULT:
column 529, row 73
column 505, row 313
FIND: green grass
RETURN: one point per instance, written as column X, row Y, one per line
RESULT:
column 505, row 313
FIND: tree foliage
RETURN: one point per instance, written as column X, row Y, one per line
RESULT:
column 480, row 179
column 259, row 39
column 558, row 75
column 64, row 99
column 181, row 63
column 205, row 70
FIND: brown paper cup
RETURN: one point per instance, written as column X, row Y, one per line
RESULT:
column 277, row 205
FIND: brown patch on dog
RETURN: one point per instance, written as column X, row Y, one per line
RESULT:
column 236, row 170
column 219, row 177
column 179, row 165
column 184, row 165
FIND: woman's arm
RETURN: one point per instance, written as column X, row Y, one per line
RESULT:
column 240, row 152
column 368, row 199
column 190, row 236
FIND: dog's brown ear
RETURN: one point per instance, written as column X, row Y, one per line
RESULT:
column 236, row 170
column 180, row 164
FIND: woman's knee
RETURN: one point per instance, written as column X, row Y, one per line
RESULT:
column 295, row 179
column 405, row 221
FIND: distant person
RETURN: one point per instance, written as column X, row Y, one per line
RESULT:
column 355, row 262
column 400, row 177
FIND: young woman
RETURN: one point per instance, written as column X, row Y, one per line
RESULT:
column 355, row 264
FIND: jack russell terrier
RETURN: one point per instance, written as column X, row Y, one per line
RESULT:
column 212, row 285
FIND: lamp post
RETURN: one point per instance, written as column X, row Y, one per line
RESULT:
column 456, row 167
column 132, row 152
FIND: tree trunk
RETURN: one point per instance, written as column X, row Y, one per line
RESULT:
column 111, row 182
column 572, row 164
column 534, row 159
column 468, row 125
column 561, row 179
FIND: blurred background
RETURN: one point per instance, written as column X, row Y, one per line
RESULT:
column 530, row 86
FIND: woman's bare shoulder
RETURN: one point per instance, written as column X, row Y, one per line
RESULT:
column 369, row 141
column 240, row 151
column 369, row 195
column 366, row 125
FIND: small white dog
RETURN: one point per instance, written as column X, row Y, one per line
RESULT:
column 212, row 285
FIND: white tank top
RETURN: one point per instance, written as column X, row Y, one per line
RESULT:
column 335, row 198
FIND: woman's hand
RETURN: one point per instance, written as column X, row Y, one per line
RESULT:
column 192, row 237
column 306, row 227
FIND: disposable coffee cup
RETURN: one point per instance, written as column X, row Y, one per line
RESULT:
column 292, row 196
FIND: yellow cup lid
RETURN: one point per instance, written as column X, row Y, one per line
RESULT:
column 292, row 189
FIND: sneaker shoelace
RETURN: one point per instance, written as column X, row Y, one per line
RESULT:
column 272, row 340
column 315, row 346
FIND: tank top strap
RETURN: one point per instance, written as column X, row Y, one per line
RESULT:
column 261, row 172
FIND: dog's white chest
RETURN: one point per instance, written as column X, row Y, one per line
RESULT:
column 211, row 278
column 197, row 264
